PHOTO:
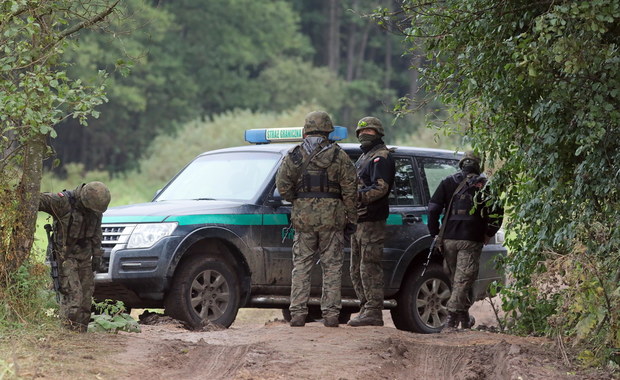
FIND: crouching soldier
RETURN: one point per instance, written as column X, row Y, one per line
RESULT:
column 76, row 247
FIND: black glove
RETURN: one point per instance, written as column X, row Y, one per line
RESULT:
column 349, row 230
column 97, row 264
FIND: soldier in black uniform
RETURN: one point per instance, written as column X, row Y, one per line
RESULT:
column 77, row 244
column 472, row 220
column 375, row 171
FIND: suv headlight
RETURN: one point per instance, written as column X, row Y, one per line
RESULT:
column 147, row 234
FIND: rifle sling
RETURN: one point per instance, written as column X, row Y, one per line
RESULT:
column 445, row 218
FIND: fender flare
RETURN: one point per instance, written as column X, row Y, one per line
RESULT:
column 416, row 252
column 240, row 254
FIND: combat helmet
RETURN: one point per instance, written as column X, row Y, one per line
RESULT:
column 470, row 159
column 95, row 196
column 370, row 122
column 318, row 121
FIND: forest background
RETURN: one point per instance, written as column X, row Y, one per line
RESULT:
column 178, row 62
column 533, row 85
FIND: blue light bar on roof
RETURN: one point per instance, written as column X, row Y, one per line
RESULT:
column 291, row 134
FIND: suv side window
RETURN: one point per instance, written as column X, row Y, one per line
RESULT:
column 405, row 191
column 434, row 170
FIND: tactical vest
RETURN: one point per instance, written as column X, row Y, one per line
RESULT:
column 464, row 200
column 315, row 182
column 74, row 228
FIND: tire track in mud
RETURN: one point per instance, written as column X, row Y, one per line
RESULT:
column 277, row 351
column 185, row 360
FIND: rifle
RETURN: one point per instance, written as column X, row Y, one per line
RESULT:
column 439, row 237
column 286, row 232
column 430, row 254
column 52, row 259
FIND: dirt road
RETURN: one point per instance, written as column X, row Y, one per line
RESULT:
column 255, row 349
column 260, row 345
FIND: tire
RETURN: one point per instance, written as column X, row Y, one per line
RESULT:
column 314, row 314
column 204, row 288
column 422, row 301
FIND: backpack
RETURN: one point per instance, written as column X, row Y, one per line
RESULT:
column 464, row 200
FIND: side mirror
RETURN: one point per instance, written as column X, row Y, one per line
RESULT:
column 275, row 200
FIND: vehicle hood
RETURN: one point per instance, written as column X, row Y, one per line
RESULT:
column 154, row 212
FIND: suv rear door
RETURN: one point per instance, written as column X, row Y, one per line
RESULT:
column 408, row 212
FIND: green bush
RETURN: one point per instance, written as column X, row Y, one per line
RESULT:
column 28, row 300
column 111, row 316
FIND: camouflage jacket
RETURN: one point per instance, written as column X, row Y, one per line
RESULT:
column 77, row 230
column 319, row 214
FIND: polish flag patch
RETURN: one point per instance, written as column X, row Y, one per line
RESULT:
column 61, row 194
column 376, row 159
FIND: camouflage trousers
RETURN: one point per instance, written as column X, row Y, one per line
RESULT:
column 76, row 291
column 366, row 270
column 329, row 245
column 461, row 263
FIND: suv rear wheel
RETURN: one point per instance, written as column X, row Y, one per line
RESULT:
column 204, row 288
column 422, row 301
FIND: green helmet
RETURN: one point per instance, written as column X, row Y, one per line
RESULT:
column 95, row 196
column 470, row 159
column 370, row 123
column 318, row 121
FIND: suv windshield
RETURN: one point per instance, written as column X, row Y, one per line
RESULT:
column 225, row 176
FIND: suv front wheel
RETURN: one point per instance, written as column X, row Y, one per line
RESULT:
column 204, row 288
column 422, row 301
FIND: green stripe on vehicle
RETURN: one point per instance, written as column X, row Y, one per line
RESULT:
column 275, row 219
column 397, row 219
column 394, row 219
column 132, row 219
column 231, row 219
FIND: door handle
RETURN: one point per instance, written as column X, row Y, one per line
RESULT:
column 410, row 219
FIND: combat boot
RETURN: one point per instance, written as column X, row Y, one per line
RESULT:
column 369, row 318
column 298, row 320
column 331, row 321
column 358, row 316
column 451, row 322
column 466, row 320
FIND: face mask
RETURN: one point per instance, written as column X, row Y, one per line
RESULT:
column 366, row 140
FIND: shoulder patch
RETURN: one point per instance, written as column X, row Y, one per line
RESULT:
column 296, row 155
column 61, row 194
column 376, row 159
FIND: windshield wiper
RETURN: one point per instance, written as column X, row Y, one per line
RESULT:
column 204, row 199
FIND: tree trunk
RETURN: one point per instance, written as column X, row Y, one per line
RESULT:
column 414, row 85
column 388, row 52
column 26, row 197
column 351, row 47
column 362, row 52
column 333, row 36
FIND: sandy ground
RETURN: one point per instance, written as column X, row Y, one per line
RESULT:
column 260, row 345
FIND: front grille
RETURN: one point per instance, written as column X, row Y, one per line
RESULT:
column 115, row 234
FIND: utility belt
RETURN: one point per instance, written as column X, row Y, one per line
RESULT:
column 318, row 186
column 318, row 194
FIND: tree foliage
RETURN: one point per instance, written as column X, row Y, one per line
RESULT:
column 35, row 95
column 538, row 85
column 189, row 59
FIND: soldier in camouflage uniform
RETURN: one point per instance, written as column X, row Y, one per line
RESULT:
column 77, row 241
column 473, row 219
column 375, row 170
column 318, row 177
